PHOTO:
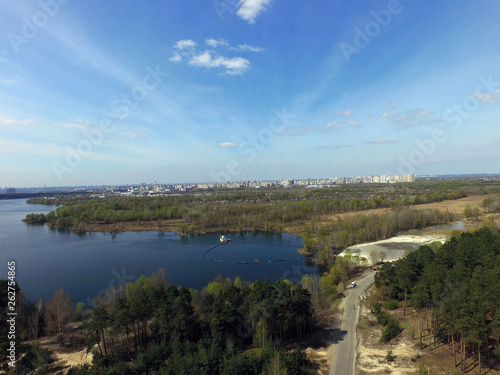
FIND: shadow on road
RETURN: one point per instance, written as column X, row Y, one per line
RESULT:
column 329, row 336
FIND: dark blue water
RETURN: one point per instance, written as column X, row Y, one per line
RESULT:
column 84, row 265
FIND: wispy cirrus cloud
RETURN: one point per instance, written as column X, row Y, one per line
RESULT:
column 333, row 147
column 388, row 115
column 355, row 124
column 214, row 43
column 333, row 126
column 392, row 104
column 247, row 48
column 410, row 117
column 345, row 113
column 489, row 97
column 227, row 144
column 16, row 122
column 380, row 142
column 249, row 10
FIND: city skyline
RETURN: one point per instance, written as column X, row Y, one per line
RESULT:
column 114, row 93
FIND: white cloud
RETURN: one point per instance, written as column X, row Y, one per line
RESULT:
column 176, row 58
column 214, row 43
column 334, row 125
column 410, row 117
column 185, row 44
column 186, row 51
column 345, row 113
column 353, row 123
column 227, row 144
column 203, row 59
column 417, row 113
column 16, row 122
column 234, row 65
column 250, row 9
column 247, row 48
column 489, row 97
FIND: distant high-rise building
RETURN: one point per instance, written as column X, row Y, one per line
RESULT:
column 10, row 191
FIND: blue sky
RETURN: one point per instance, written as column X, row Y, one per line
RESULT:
column 118, row 92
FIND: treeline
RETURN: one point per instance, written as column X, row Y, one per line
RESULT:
column 454, row 293
column 237, row 211
column 491, row 204
column 364, row 228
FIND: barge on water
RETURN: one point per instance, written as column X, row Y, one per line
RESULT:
column 224, row 239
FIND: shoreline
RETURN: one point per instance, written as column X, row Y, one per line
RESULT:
column 166, row 226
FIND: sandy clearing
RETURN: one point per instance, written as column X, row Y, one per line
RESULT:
column 395, row 247
column 66, row 360
column 371, row 357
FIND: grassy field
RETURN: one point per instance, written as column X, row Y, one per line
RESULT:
column 456, row 207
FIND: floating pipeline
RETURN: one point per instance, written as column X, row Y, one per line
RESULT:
column 238, row 262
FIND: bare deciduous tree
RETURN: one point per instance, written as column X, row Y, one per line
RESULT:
column 59, row 312
column 374, row 256
column 159, row 278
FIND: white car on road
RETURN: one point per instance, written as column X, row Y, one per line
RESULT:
column 353, row 284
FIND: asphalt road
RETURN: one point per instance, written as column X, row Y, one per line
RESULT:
column 345, row 350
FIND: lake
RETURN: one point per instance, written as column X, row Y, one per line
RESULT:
column 85, row 265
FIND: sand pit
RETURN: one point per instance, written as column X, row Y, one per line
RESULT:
column 394, row 248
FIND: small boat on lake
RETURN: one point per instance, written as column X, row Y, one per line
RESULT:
column 224, row 239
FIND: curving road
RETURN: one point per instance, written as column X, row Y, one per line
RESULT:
column 345, row 350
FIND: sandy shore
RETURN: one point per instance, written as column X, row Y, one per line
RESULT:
column 395, row 247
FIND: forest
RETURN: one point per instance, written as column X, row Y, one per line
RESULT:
column 262, row 210
column 151, row 327
column 454, row 292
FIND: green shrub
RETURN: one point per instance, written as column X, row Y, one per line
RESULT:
column 391, row 304
column 383, row 318
column 390, row 357
column 391, row 330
